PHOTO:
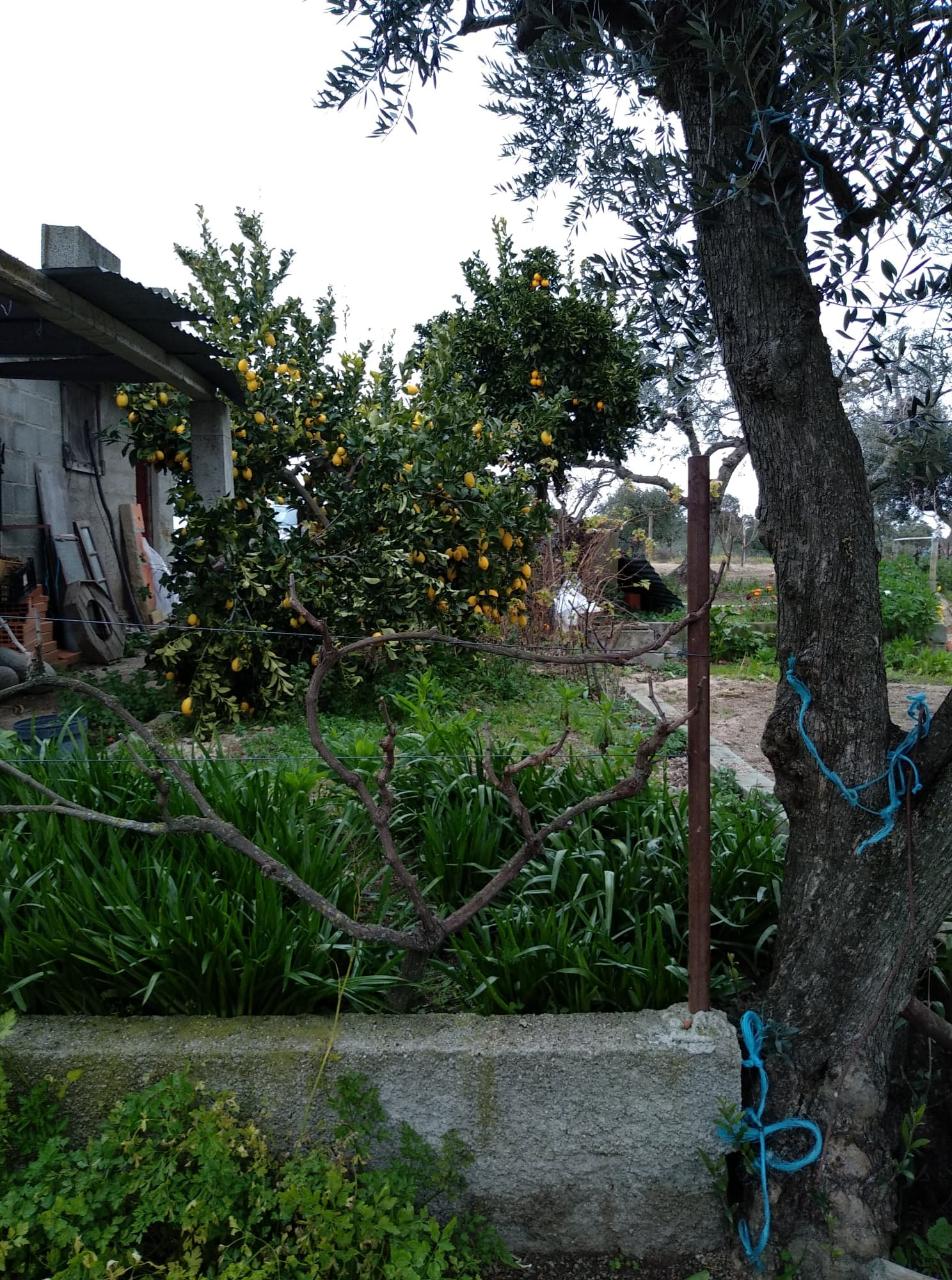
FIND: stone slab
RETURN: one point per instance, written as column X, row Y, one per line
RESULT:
column 748, row 778
column 883, row 1270
column 586, row 1130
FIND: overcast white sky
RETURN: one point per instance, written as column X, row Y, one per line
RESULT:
column 122, row 117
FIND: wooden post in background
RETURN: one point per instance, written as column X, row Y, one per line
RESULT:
column 699, row 737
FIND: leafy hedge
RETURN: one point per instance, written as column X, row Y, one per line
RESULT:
column 177, row 1186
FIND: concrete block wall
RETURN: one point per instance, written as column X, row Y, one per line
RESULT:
column 31, row 425
column 31, row 429
column 586, row 1130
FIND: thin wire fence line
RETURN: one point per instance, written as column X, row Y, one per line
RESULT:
column 305, row 633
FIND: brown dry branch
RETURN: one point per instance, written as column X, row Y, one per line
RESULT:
column 430, row 931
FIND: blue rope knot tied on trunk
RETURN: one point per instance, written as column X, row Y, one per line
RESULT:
column 755, row 1131
column 900, row 767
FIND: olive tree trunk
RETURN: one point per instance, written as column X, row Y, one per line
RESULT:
column 852, row 937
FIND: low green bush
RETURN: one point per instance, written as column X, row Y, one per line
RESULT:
column 733, row 636
column 178, row 1186
column 140, row 692
column 909, row 605
column 909, row 660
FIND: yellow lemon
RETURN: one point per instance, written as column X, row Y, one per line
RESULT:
column 269, row 339
column 133, row 417
column 229, row 603
column 236, row 664
column 545, row 437
column 507, row 541
column 158, row 456
column 294, row 624
column 259, row 418
column 245, row 706
column 471, row 601
column 286, row 602
column 180, row 429
column 314, row 659
column 192, row 619
column 234, row 454
column 170, row 675
column 526, row 570
column 412, row 389
column 522, row 620
column 163, row 397
column 483, row 562
column 243, row 366
column 469, row 480
column 408, row 466
column 122, row 400
column 599, row 405
column 186, row 707
column 186, row 465
column 247, row 473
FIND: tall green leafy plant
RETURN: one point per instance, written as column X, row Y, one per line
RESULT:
column 909, row 606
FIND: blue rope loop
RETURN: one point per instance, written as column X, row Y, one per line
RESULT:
column 900, row 767
column 756, row 1132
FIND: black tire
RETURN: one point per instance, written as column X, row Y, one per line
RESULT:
column 102, row 633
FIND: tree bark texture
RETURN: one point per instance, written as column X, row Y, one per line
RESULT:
column 851, row 936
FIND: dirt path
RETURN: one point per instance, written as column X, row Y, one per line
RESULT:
column 739, row 709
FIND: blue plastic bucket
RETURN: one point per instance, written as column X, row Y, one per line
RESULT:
column 65, row 735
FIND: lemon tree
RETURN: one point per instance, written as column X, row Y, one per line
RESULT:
column 544, row 349
column 414, row 506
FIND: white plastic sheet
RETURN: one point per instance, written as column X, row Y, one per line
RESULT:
column 165, row 601
column 572, row 606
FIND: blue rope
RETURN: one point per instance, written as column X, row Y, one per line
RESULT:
column 894, row 774
column 754, row 1130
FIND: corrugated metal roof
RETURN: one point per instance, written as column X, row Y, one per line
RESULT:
column 48, row 351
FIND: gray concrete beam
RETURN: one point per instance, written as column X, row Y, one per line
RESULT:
column 211, row 451
column 586, row 1130
column 73, row 247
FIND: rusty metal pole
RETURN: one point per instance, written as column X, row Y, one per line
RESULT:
column 699, row 737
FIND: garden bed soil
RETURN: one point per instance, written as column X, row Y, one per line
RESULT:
column 739, row 709
column 762, row 570
column 722, row 1265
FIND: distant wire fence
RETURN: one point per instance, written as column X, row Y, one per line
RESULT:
column 305, row 634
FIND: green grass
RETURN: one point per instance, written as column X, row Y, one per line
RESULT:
column 753, row 668
column 515, row 702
